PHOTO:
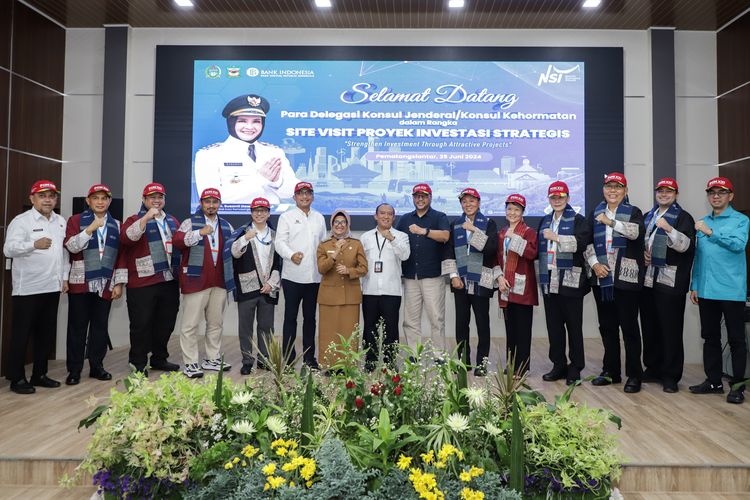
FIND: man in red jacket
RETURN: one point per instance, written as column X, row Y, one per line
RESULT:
column 96, row 277
column 153, row 296
column 204, row 273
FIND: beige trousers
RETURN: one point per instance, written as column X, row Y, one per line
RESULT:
column 207, row 304
column 427, row 294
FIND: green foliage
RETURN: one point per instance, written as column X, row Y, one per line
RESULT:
column 517, row 466
column 378, row 446
column 210, row 460
column 308, row 425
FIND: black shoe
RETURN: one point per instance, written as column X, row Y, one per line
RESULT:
column 246, row 369
column 632, row 385
column 554, row 374
column 706, row 387
column 44, row 381
column 262, row 366
column 736, row 397
column 572, row 378
column 669, row 386
column 480, row 371
column 73, row 379
column 165, row 366
column 650, row 376
column 606, row 378
column 22, row 387
column 142, row 370
column 100, row 374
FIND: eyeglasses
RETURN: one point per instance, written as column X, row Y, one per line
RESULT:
column 718, row 193
column 339, row 223
column 614, row 187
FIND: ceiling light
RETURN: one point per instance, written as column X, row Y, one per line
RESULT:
column 455, row 4
column 323, row 3
column 591, row 4
column 184, row 3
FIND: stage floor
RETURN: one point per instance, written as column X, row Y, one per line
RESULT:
column 658, row 429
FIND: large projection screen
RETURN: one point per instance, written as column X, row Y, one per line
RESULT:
column 364, row 124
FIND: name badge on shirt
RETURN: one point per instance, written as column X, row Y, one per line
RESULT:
column 378, row 266
column 551, row 261
column 610, row 249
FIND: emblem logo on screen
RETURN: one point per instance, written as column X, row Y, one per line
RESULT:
column 252, row 72
column 213, row 72
column 233, row 72
column 556, row 75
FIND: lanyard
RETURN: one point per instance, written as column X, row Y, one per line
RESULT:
column 380, row 247
column 263, row 240
column 164, row 227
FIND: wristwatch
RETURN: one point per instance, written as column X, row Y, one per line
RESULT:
column 427, row 233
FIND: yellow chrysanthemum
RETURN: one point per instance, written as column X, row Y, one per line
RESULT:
column 275, row 481
column 465, row 477
column 269, row 469
column 440, row 465
column 403, row 462
column 250, row 451
column 476, row 471
column 469, row 494
column 228, row 465
column 308, row 469
column 278, row 442
column 236, row 460
column 309, row 484
column 266, row 487
column 428, row 458
column 281, row 452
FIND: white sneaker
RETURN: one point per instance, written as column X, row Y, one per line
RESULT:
column 192, row 370
column 214, row 365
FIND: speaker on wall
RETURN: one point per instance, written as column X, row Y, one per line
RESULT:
column 115, row 208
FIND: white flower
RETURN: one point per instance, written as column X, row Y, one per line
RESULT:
column 241, row 398
column 243, row 427
column 491, row 429
column 475, row 395
column 457, row 422
column 276, row 425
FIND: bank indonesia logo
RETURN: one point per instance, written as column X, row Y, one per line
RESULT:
column 213, row 72
column 555, row 75
column 252, row 72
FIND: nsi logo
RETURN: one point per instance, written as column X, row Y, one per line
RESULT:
column 555, row 75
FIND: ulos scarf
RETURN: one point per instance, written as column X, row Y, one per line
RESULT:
column 469, row 264
column 511, row 260
column 624, row 212
column 564, row 260
column 195, row 257
column 156, row 245
column 659, row 247
column 98, row 271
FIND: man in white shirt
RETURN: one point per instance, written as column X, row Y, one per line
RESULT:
column 386, row 248
column 300, row 231
column 34, row 241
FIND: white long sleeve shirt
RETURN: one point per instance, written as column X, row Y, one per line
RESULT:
column 391, row 254
column 300, row 232
column 36, row 271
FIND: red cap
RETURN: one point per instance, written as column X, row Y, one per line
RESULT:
column 260, row 202
column 518, row 199
column 40, row 186
column 469, row 191
column 616, row 177
column 100, row 188
column 667, row 182
column 152, row 188
column 558, row 188
column 720, row 182
column 303, row 185
column 211, row 193
column 422, row 188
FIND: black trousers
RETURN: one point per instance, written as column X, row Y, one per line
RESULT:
column 711, row 312
column 88, row 321
column 662, row 320
column 465, row 303
column 622, row 313
column 518, row 319
column 563, row 313
column 34, row 318
column 307, row 294
column 375, row 307
column 152, row 311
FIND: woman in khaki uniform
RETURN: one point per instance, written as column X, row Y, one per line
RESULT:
column 341, row 262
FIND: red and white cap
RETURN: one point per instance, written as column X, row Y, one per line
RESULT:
column 616, row 177
column 100, row 188
column 667, row 182
column 518, row 199
column 260, row 203
column 558, row 188
column 720, row 182
column 154, row 187
column 422, row 189
column 303, row 185
column 469, row 192
column 211, row 193
column 43, row 185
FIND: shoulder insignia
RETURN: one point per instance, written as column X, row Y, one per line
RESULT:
column 269, row 144
column 211, row 146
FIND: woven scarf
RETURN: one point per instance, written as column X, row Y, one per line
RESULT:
column 659, row 247
column 238, row 233
column 469, row 264
column 156, row 245
column 511, row 259
column 623, row 214
column 99, row 270
column 564, row 260
column 195, row 257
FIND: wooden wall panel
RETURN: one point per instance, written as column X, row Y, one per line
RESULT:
column 4, row 94
column 734, row 124
column 38, row 48
column 23, row 171
column 3, row 179
column 6, row 7
column 37, row 119
column 739, row 173
column 732, row 55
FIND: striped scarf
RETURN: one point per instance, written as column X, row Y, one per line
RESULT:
column 195, row 257
column 624, row 211
column 469, row 264
column 99, row 270
column 511, row 260
column 564, row 260
column 659, row 247
column 156, row 245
